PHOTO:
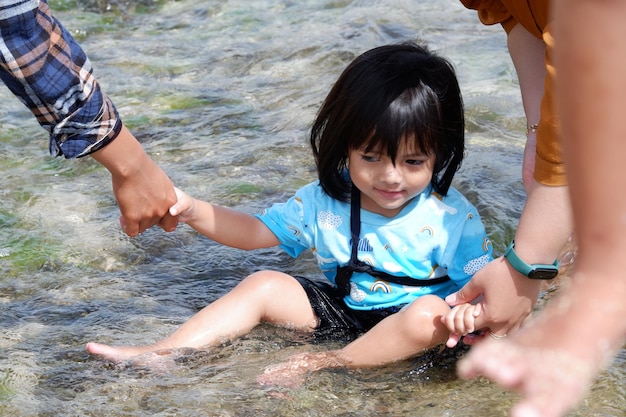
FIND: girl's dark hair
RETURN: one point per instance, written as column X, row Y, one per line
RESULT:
column 385, row 96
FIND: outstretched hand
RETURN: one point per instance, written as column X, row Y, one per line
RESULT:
column 184, row 208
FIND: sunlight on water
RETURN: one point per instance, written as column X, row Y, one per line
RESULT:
column 222, row 93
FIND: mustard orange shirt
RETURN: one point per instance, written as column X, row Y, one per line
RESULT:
column 534, row 16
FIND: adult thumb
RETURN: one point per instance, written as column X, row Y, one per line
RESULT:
column 469, row 292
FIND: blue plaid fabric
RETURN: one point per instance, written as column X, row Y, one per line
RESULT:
column 43, row 65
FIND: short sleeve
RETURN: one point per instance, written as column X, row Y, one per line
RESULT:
column 491, row 12
column 286, row 221
column 468, row 248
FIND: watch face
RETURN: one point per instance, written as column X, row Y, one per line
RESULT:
column 543, row 273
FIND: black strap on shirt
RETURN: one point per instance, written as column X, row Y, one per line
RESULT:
column 344, row 273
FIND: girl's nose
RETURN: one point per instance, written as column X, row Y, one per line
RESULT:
column 391, row 174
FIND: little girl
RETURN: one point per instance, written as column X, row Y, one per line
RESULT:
column 390, row 235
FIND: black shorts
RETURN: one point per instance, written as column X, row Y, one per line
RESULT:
column 337, row 321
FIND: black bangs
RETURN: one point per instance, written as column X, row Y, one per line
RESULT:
column 408, row 120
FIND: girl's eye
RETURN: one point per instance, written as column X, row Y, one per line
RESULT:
column 369, row 158
column 414, row 161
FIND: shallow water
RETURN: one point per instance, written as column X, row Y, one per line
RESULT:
column 221, row 94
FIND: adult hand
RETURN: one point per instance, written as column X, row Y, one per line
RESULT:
column 143, row 191
column 552, row 361
column 144, row 199
column 507, row 297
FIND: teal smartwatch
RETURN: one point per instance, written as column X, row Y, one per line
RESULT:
column 534, row 271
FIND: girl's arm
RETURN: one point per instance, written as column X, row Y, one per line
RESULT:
column 223, row 225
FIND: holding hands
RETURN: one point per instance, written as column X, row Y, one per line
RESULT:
column 143, row 191
column 461, row 321
column 502, row 301
column 183, row 210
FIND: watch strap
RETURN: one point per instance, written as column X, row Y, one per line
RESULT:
column 534, row 271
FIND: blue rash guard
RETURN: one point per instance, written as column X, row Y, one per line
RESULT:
column 431, row 237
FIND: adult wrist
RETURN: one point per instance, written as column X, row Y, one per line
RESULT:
column 124, row 156
column 532, row 271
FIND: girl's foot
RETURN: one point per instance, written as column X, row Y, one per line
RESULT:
column 293, row 372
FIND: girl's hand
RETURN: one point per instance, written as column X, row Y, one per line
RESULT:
column 183, row 209
column 461, row 320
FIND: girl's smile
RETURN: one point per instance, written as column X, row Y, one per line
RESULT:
column 391, row 195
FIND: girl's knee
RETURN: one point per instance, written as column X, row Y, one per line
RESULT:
column 281, row 299
column 425, row 311
column 421, row 321
column 268, row 282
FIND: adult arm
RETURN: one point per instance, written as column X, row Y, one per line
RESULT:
column 552, row 361
column 545, row 223
column 591, row 57
column 48, row 71
column 527, row 53
column 143, row 191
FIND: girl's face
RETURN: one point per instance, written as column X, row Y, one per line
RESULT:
column 386, row 189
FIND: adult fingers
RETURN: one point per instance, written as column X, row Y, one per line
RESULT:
column 469, row 292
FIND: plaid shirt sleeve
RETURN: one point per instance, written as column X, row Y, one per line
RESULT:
column 47, row 70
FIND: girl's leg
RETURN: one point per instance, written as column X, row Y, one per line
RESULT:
column 265, row 296
column 399, row 336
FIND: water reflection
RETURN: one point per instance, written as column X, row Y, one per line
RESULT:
column 221, row 93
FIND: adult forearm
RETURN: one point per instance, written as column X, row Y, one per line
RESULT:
column 545, row 225
column 124, row 157
column 592, row 91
